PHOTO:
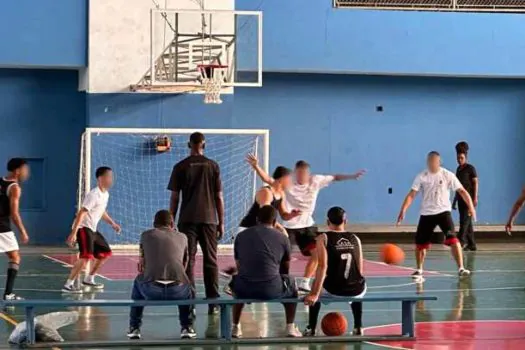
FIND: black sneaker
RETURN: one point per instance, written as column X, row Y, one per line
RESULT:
column 417, row 274
column 134, row 333
column 188, row 333
column 357, row 331
column 308, row 332
column 94, row 285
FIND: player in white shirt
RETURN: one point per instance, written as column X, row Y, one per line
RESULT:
column 91, row 243
column 435, row 185
column 302, row 195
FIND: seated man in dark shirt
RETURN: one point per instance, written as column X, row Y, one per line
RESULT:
column 262, row 255
column 162, row 273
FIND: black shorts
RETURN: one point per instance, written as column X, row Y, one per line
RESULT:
column 256, row 290
column 427, row 224
column 304, row 238
column 92, row 245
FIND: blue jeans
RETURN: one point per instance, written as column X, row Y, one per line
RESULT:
column 150, row 290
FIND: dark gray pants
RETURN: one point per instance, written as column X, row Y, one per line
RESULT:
column 466, row 229
column 204, row 235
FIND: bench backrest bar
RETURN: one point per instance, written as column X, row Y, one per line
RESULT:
column 218, row 301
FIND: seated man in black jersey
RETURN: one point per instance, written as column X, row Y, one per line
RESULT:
column 340, row 270
column 262, row 255
column 273, row 195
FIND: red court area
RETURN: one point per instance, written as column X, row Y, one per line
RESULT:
column 458, row 335
column 124, row 267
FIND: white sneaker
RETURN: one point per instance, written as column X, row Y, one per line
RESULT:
column 293, row 331
column 462, row 272
column 236, row 331
column 71, row 289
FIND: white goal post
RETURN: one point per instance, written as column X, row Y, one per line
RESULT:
column 142, row 173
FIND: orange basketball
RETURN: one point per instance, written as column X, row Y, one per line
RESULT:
column 392, row 254
column 334, row 324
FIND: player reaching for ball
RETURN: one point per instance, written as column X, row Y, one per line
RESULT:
column 435, row 184
column 302, row 194
column 339, row 270
column 91, row 243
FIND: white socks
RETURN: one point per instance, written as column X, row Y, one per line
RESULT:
column 89, row 279
column 69, row 283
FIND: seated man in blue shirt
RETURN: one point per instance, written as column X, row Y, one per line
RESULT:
column 162, row 273
column 262, row 255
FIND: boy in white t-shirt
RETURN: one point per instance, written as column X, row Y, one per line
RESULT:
column 435, row 185
column 91, row 243
column 302, row 195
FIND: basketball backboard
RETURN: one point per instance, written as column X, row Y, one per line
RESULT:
column 131, row 39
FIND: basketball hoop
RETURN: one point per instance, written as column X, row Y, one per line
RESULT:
column 212, row 78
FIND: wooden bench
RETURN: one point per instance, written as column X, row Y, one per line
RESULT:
column 407, row 316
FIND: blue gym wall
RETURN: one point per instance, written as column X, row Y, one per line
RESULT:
column 329, row 120
column 314, row 37
column 332, row 122
column 42, row 117
column 43, row 33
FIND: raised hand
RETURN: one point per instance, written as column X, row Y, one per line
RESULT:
column 252, row 159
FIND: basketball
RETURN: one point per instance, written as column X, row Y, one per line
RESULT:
column 392, row 254
column 334, row 324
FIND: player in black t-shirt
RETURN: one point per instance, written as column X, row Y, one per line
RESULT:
column 340, row 270
column 467, row 175
column 201, row 215
column 10, row 193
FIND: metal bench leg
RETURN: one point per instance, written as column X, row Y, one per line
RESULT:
column 30, row 325
column 226, row 322
column 408, row 309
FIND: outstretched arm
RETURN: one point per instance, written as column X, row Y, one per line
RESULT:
column 467, row 199
column 344, row 177
column 515, row 210
column 406, row 204
column 254, row 163
column 110, row 222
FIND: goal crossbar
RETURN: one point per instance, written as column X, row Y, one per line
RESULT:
column 92, row 133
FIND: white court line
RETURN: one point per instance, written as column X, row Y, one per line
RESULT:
column 66, row 265
column 408, row 268
column 429, row 291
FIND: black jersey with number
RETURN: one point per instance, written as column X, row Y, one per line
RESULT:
column 5, row 206
column 343, row 276
column 251, row 218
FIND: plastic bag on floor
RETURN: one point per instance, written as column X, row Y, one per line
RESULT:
column 46, row 327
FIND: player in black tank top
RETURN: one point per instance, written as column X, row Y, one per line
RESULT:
column 267, row 196
column 9, row 198
column 339, row 271
column 251, row 218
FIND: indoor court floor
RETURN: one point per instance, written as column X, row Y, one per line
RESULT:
column 485, row 311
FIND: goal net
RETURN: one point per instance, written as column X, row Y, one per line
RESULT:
column 142, row 173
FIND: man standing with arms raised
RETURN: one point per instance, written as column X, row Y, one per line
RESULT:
column 201, row 216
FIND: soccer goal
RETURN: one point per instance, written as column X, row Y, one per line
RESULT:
column 142, row 161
